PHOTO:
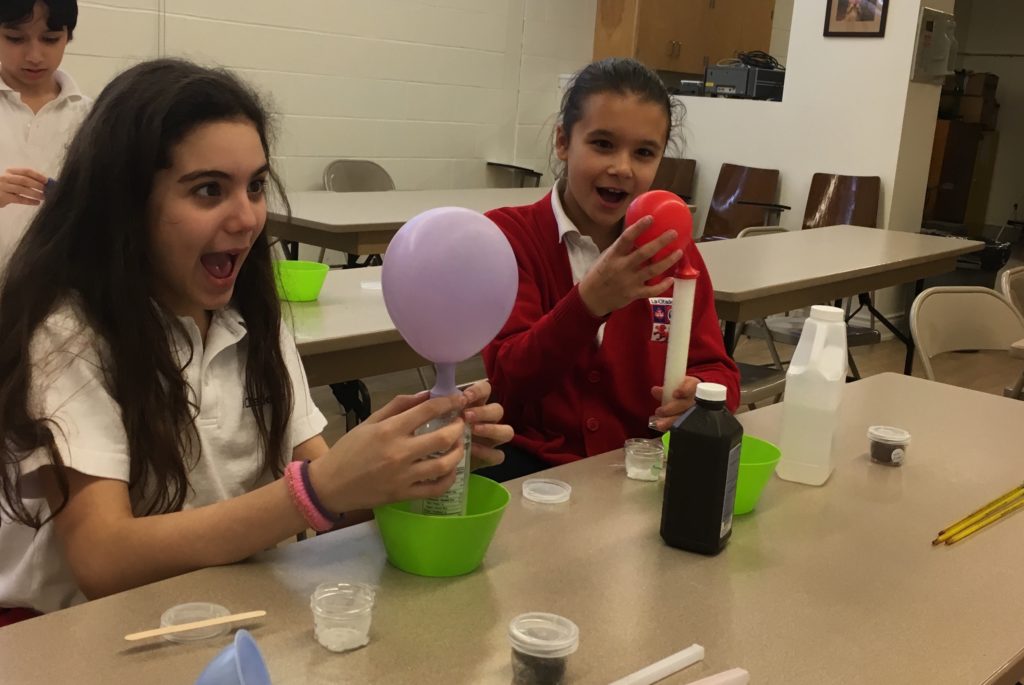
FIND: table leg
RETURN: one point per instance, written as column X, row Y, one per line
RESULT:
column 908, row 363
column 905, row 338
column 730, row 338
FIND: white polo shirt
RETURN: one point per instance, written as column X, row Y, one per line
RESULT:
column 35, row 141
column 68, row 387
column 582, row 250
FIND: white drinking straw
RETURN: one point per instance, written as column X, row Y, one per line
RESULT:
column 664, row 668
column 734, row 676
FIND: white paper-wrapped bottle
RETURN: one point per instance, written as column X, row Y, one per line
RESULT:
column 814, row 391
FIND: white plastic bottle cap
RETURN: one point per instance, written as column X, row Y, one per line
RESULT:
column 711, row 392
column 823, row 312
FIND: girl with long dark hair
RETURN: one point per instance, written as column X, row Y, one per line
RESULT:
column 154, row 414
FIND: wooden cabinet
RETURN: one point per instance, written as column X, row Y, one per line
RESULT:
column 668, row 35
column 960, row 174
column 681, row 35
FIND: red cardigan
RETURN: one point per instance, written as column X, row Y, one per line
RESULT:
column 566, row 397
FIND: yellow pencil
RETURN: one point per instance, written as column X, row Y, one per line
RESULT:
column 978, row 514
column 970, row 530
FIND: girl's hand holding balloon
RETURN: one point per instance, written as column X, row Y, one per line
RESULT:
column 683, row 397
column 623, row 273
column 483, row 419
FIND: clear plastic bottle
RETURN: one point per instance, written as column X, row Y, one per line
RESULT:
column 814, row 390
column 452, row 502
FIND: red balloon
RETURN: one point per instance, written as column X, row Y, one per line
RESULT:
column 669, row 213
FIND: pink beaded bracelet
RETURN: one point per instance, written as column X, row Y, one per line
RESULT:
column 302, row 500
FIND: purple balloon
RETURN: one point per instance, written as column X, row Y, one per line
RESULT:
column 450, row 279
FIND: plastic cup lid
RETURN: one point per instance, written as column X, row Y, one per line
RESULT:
column 191, row 612
column 543, row 635
column 889, row 435
column 547, row 490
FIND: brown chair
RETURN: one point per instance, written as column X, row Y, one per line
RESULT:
column 676, row 175
column 737, row 187
column 834, row 199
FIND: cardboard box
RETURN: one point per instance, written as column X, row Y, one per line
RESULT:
column 980, row 83
column 981, row 184
column 979, row 109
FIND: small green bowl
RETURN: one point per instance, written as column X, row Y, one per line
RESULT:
column 757, row 463
column 442, row 546
column 299, row 281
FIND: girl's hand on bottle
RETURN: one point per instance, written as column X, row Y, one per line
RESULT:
column 483, row 419
column 620, row 274
column 683, row 398
column 382, row 461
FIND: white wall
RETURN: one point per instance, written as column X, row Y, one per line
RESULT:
column 997, row 26
column 431, row 89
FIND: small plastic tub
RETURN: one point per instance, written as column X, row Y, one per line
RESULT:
column 889, row 445
column 541, row 645
column 643, row 458
column 342, row 613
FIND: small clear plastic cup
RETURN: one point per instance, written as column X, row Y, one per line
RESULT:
column 342, row 613
column 541, row 645
column 644, row 458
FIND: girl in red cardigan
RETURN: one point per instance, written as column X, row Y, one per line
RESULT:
column 579, row 362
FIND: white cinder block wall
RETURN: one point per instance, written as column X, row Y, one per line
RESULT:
column 431, row 89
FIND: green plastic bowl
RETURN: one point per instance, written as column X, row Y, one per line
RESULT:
column 442, row 546
column 757, row 463
column 299, row 281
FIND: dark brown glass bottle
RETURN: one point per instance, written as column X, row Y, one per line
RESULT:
column 700, row 476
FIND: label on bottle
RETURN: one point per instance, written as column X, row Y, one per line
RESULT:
column 453, row 502
column 730, row 490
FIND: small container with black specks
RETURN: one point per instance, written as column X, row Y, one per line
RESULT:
column 889, row 445
column 541, row 645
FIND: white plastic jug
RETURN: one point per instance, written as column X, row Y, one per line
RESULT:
column 814, row 390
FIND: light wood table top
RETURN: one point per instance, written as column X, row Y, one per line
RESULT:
column 837, row 584
column 1017, row 349
column 347, row 333
column 364, row 223
column 762, row 275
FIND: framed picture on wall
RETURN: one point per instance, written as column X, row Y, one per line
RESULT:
column 856, row 18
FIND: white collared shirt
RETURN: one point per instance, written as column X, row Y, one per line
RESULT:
column 582, row 249
column 35, row 141
column 69, row 387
